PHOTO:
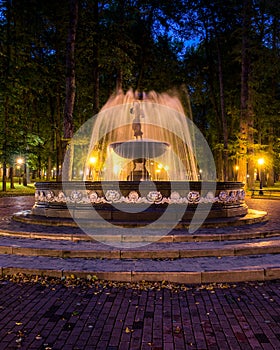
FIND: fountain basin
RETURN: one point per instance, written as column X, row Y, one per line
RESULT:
column 133, row 149
column 136, row 202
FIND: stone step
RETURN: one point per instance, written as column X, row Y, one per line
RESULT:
column 118, row 235
column 184, row 262
column 184, row 270
column 125, row 250
column 245, row 252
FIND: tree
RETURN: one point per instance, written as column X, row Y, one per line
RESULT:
column 231, row 72
column 70, row 87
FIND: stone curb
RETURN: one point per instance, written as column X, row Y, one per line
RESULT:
column 241, row 249
column 237, row 275
column 253, row 216
column 158, row 239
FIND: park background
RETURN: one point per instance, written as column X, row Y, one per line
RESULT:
column 61, row 61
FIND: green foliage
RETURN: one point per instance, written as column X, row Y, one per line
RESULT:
column 151, row 45
column 19, row 190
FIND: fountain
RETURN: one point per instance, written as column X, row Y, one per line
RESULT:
column 139, row 163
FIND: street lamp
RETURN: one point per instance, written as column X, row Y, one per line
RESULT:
column 92, row 162
column 20, row 161
column 236, row 168
column 260, row 162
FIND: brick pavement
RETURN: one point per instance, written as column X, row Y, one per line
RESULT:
column 52, row 315
column 70, row 313
column 233, row 255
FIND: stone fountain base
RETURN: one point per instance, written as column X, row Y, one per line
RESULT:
column 134, row 203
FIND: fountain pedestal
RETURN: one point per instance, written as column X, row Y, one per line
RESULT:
column 139, row 172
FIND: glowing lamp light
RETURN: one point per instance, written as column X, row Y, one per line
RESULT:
column 20, row 161
column 92, row 160
column 261, row 161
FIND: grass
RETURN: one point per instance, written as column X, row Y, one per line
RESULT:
column 275, row 187
column 268, row 191
column 19, row 190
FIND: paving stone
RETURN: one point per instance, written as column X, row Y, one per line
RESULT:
column 191, row 315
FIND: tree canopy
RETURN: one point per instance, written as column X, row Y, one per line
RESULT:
column 221, row 56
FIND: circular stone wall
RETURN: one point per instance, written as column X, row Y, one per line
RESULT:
column 115, row 202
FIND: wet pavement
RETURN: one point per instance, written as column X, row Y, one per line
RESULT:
column 67, row 312
column 12, row 205
column 48, row 314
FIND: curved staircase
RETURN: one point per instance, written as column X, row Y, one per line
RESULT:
column 225, row 252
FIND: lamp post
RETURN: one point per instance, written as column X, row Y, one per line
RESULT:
column 92, row 162
column 261, row 163
column 236, row 168
column 20, row 161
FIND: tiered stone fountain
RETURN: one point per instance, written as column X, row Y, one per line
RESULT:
column 140, row 161
column 139, row 170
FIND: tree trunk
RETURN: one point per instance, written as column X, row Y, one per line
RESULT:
column 270, row 175
column 57, row 137
column 39, row 173
column 219, row 158
column 70, row 88
column 223, row 115
column 4, row 177
column 59, row 155
column 244, row 113
column 6, row 99
column 222, row 103
column 11, row 175
column 219, row 164
column 250, row 143
column 49, row 168
column 274, row 83
column 95, row 62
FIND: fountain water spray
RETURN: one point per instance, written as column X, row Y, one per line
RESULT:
column 136, row 174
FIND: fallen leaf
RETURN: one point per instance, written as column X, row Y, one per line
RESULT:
column 127, row 330
column 177, row 330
